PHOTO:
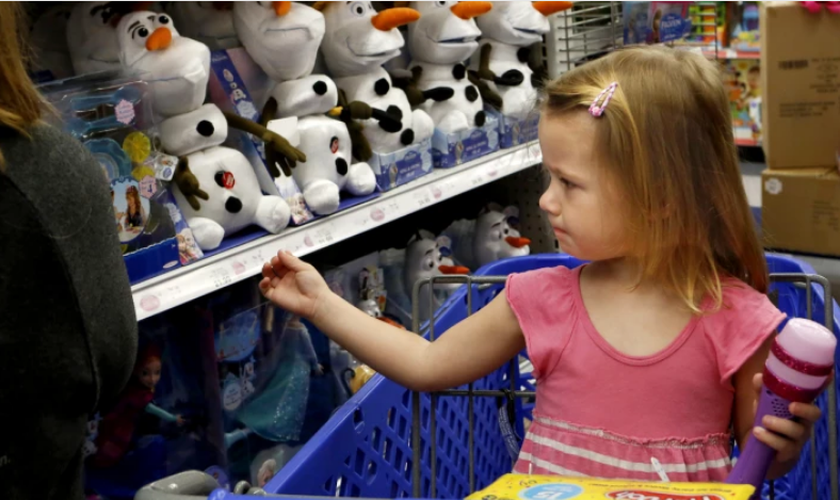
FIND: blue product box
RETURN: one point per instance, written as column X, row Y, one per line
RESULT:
column 112, row 118
column 655, row 22
column 513, row 132
column 397, row 168
column 450, row 150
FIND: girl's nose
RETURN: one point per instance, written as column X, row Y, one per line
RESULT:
column 549, row 203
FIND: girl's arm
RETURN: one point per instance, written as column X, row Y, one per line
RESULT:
column 785, row 436
column 468, row 351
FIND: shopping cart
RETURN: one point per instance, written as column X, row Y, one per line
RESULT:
column 388, row 442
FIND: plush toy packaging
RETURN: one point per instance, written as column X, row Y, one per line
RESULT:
column 405, row 165
column 159, row 424
column 655, row 22
column 514, row 131
column 454, row 148
column 113, row 120
column 524, row 487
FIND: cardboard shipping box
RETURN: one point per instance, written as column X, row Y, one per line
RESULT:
column 800, row 85
column 800, row 210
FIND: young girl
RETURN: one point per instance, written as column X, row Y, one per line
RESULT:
column 654, row 350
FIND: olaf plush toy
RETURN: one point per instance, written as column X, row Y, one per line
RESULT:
column 92, row 35
column 495, row 239
column 445, row 36
column 283, row 39
column 357, row 43
column 510, row 46
column 217, row 188
column 427, row 257
column 210, row 23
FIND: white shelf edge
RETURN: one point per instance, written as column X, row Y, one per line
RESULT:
column 182, row 285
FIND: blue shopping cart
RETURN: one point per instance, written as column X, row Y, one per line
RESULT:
column 387, row 442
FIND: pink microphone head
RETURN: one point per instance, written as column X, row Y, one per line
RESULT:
column 800, row 361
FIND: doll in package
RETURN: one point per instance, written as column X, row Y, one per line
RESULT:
column 113, row 119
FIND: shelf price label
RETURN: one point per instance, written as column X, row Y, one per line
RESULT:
column 220, row 277
column 423, row 198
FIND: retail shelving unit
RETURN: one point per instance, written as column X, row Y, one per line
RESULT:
column 218, row 271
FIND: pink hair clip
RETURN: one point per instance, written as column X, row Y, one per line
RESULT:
column 596, row 110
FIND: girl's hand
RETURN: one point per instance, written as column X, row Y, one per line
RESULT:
column 293, row 285
column 787, row 437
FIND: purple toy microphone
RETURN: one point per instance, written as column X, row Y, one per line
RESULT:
column 797, row 371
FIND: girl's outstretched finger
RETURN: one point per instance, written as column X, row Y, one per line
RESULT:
column 292, row 262
column 265, row 287
column 278, row 267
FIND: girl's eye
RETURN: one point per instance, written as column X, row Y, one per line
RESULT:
column 567, row 183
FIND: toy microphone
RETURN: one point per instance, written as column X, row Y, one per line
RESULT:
column 797, row 370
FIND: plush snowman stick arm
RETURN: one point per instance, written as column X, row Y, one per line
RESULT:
column 188, row 184
column 408, row 84
column 488, row 95
column 288, row 154
column 510, row 78
column 539, row 73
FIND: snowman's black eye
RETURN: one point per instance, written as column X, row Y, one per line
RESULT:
column 440, row 4
column 507, row 231
column 358, row 8
column 163, row 20
column 143, row 32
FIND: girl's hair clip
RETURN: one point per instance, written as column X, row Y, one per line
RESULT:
column 596, row 110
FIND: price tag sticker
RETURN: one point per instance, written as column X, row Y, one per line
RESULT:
column 220, row 277
column 423, row 198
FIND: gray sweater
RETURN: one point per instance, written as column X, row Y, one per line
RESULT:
column 68, row 333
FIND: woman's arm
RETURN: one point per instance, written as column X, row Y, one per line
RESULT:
column 468, row 351
column 787, row 437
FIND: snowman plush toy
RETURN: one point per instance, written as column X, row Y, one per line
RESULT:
column 283, row 39
column 357, row 43
column 217, row 189
column 496, row 238
column 428, row 257
column 510, row 60
column 445, row 36
column 92, row 35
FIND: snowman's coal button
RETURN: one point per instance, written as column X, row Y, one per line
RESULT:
column 471, row 92
column 480, row 118
column 319, row 87
column 381, row 86
column 233, row 205
column 341, row 166
column 523, row 54
column 407, row 137
column 205, row 128
column 394, row 111
column 459, row 71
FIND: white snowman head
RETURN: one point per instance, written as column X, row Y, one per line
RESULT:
column 210, row 23
column 359, row 39
column 518, row 23
column 281, row 37
column 178, row 68
column 427, row 257
column 92, row 36
column 446, row 32
column 370, row 307
column 495, row 239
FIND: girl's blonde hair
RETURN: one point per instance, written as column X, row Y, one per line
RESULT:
column 20, row 103
column 666, row 141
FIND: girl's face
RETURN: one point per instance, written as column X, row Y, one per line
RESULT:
column 149, row 373
column 582, row 209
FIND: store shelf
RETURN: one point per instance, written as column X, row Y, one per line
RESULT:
column 218, row 271
column 731, row 54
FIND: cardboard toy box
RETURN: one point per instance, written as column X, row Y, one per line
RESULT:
column 452, row 149
column 800, row 210
column 800, row 82
column 526, row 487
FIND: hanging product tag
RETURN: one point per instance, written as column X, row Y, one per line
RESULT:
column 507, row 415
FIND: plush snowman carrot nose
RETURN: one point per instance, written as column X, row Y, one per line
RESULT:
column 453, row 269
column 549, row 8
column 517, row 242
column 281, row 8
column 160, row 39
column 394, row 18
column 469, row 10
